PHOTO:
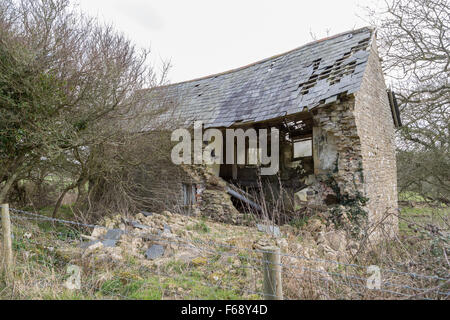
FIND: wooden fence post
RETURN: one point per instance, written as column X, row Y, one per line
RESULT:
column 7, row 243
column 273, row 287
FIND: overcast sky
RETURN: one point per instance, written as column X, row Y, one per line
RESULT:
column 203, row 37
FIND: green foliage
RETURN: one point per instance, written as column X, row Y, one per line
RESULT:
column 149, row 289
column 424, row 216
column 126, row 287
column 201, row 227
column 299, row 222
column 354, row 205
column 30, row 98
column 411, row 196
column 175, row 266
column 64, row 108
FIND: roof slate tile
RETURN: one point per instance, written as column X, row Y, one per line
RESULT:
column 276, row 86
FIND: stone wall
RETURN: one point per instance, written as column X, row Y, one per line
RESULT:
column 354, row 161
column 376, row 131
column 354, row 154
column 338, row 179
column 212, row 198
column 337, row 147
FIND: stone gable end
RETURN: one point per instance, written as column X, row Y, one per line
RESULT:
column 376, row 132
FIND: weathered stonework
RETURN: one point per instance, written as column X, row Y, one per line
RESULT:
column 354, row 148
column 337, row 148
column 375, row 127
column 212, row 199
column 337, row 187
column 331, row 91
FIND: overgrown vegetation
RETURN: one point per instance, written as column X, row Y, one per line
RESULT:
column 73, row 105
column 74, row 96
column 43, row 254
column 414, row 45
column 355, row 206
column 44, row 251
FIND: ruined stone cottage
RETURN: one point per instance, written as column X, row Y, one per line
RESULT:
column 335, row 116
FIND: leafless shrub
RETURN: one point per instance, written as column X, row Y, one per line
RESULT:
column 415, row 50
column 92, row 100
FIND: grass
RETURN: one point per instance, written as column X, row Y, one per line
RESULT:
column 65, row 212
column 41, row 272
column 200, row 227
column 410, row 216
column 220, row 273
column 299, row 222
column 411, row 196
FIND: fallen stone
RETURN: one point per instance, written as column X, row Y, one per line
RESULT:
column 336, row 240
column 167, row 229
column 113, row 222
column 167, row 213
column 146, row 214
column 108, row 243
column 315, row 226
column 199, row 261
column 310, row 180
column 94, row 245
column 87, row 245
column 269, row 229
column 109, row 240
column 97, row 233
column 187, row 256
column 155, row 252
column 302, row 195
column 114, row 234
column 114, row 253
column 138, row 225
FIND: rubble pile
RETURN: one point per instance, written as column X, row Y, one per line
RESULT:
column 147, row 237
column 213, row 200
column 156, row 239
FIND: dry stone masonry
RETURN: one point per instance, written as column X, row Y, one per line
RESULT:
column 330, row 93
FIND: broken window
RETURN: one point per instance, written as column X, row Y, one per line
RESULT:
column 302, row 149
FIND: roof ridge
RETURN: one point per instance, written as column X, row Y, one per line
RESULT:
column 272, row 57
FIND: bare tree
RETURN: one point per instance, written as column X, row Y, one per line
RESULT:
column 415, row 46
column 69, row 85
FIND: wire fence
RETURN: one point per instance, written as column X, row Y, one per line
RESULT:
column 253, row 273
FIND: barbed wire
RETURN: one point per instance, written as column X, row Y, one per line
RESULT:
column 412, row 274
column 354, row 284
column 188, row 278
column 44, row 218
column 35, row 216
column 287, row 266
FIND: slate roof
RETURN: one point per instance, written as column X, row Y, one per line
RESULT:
column 282, row 85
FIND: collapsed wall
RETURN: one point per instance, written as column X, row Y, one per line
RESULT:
column 337, row 187
column 211, row 198
column 355, row 173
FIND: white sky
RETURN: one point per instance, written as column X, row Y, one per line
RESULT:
column 203, row 37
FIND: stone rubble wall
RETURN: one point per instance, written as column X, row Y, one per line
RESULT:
column 354, row 158
column 212, row 199
column 354, row 154
column 376, row 130
column 336, row 141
